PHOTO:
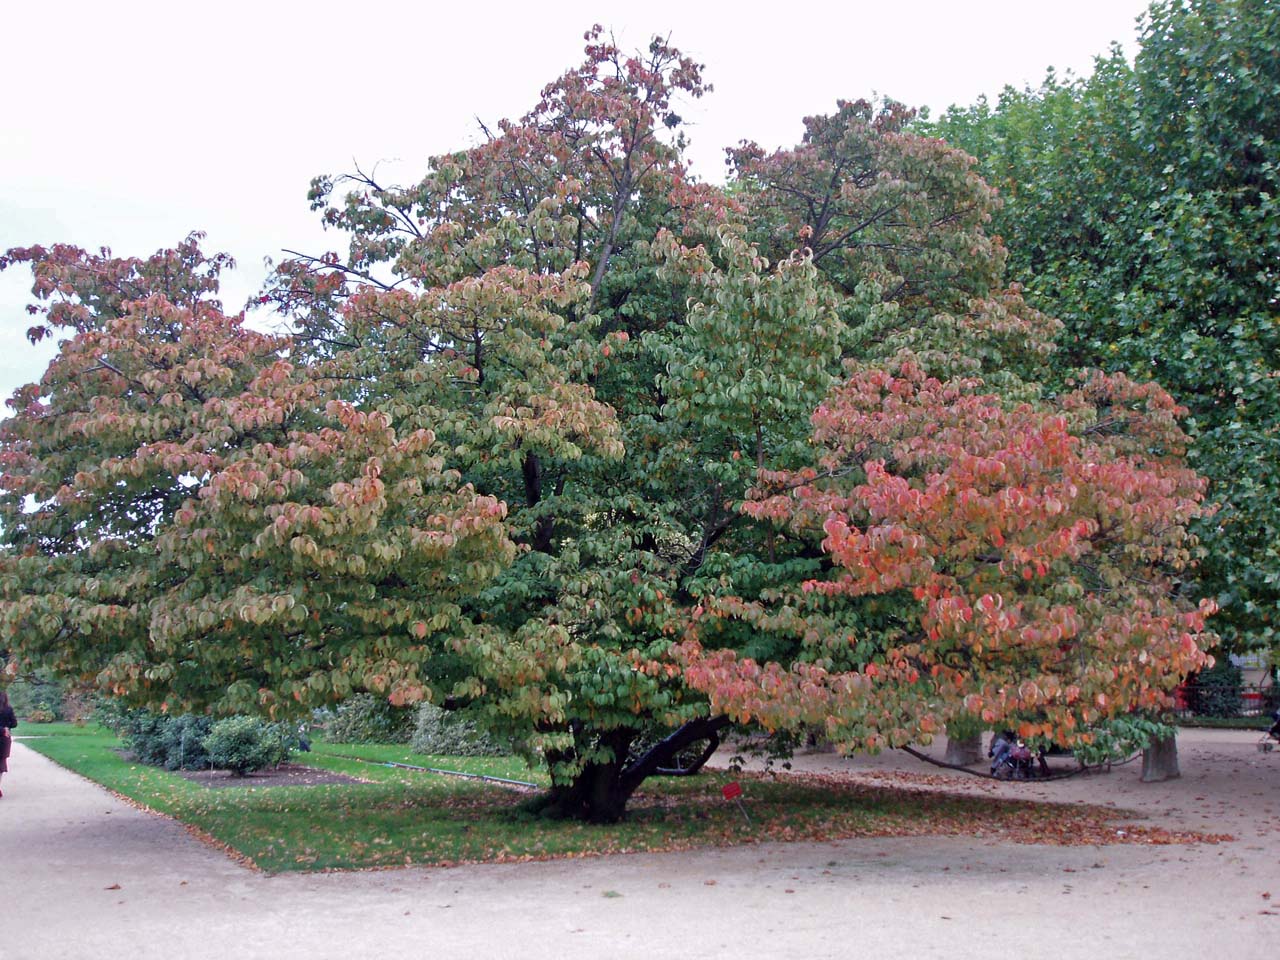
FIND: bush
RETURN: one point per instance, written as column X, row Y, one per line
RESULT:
column 112, row 714
column 37, row 699
column 446, row 733
column 365, row 718
column 1216, row 692
column 245, row 744
column 184, row 739
column 1121, row 737
column 158, row 740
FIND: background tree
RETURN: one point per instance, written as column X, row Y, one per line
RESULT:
column 1140, row 207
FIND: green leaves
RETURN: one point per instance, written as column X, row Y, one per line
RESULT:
column 1140, row 206
column 210, row 529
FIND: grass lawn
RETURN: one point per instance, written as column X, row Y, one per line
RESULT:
column 404, row 817
column 1262, row 722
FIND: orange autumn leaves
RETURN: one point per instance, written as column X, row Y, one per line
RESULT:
column 1032, row 553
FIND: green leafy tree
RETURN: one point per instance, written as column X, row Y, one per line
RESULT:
column 196, row 522
column 502, row 464
column 1140, row 207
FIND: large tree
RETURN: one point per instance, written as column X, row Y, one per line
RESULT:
column 1140, row 207
column 503, row 462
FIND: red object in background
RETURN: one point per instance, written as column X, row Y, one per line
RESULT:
column 1181, row 697
column 732, row 790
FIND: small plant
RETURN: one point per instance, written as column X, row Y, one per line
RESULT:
column 1120, row 737
column 245, row 744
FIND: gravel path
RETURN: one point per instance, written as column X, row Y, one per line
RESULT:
column 88, row 876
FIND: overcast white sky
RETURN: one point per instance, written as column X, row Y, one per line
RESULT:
column 129, row 124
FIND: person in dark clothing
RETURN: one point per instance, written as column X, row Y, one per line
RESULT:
column 1001, row 745
column 7, row 722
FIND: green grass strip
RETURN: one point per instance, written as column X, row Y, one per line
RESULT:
column 401, row 817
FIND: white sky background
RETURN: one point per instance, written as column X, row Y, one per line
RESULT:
column 129, row 124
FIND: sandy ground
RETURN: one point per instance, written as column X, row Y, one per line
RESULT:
column 87, row 876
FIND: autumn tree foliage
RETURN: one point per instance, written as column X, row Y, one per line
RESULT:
column 543, row 448
column 1140, row 206
column 1024, row 565
column 198, row 522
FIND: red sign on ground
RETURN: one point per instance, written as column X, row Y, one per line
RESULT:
column 732, row 790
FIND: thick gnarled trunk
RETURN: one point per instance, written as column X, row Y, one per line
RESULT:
column 600, row 791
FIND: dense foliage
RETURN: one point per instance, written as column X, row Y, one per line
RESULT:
column 159, row 740
column 364, row 718
column 448, row 734
column 1141, row 207
column 245, row 744
column 605, row 456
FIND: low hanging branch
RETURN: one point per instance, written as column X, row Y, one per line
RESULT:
column 659, row 760
column 1082, row 768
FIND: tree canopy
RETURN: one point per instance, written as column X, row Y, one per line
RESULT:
column 1140, row 207
column 605, row 457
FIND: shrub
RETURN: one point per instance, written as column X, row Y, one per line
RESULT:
column 163, row 741
column 143, row 733
column 365, row 718
column 245, row 744
column 446, row 733
column 1216, row 692
column 36, row 698
column 1120, row 737
column 183, row 738
column 111, row 713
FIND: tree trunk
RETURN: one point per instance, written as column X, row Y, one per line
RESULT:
column 600, row 791
column 964, row 751
column 596, row 795
column 1160, row 761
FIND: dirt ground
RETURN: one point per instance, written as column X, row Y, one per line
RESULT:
column 87, row 876
column 284, row 775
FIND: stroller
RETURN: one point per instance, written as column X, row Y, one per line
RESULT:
column 1272, row 736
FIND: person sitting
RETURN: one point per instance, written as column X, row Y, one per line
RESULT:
column 1001, row 745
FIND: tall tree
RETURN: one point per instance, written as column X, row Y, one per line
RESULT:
column 502, row 465
column 1140, row 207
